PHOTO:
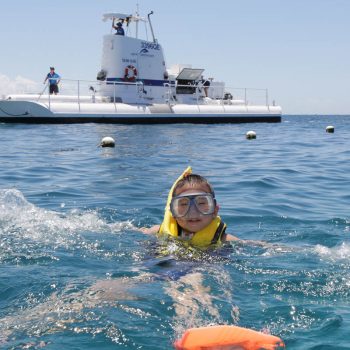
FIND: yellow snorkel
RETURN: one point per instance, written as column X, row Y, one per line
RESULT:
column 169, row 224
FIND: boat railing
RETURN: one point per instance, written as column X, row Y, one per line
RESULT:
column 220, row 93
column 88, row 91
column 248, row 95
column 170, row 94
column 70, row 87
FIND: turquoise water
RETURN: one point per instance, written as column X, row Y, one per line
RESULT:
column 76, row 273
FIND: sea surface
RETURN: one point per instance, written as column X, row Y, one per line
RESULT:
column 76, row 273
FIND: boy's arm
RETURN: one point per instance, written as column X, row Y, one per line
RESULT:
column 150, row 230
column 228, row 237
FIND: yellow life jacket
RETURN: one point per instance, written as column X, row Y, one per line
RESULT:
column 210, row 235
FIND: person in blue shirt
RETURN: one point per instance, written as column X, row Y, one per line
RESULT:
column 54, row 79
column 119, row 28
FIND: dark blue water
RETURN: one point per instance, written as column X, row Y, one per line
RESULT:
column 76, row 273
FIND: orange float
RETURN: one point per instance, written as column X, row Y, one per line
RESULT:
column 227, row 338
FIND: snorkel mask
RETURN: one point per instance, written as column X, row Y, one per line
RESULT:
column 204, row 203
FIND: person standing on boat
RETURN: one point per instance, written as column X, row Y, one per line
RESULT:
column 206, row 84
column 54, row 79
column 119, row 28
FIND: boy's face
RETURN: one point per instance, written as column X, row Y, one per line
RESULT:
column 194, row 221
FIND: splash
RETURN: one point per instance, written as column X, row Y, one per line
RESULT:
column 340, row 252
column 24, row 228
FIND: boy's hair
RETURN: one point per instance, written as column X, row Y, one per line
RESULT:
column 194, row 179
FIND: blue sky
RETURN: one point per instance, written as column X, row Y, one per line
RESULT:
column 298, row 49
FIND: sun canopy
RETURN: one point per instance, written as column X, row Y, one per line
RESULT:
column 190, row 74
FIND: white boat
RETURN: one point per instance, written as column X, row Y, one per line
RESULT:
column 135, row 86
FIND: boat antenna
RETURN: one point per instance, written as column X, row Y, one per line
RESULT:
column 137, row 23
column 150, row 25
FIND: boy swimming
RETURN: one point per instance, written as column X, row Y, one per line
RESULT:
column 191, row 213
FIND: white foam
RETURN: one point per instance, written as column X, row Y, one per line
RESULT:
column 22, row 218
column 340, row 252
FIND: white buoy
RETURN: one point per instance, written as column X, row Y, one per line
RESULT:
column 330, row 128
column 250, row 135
column 107, row 142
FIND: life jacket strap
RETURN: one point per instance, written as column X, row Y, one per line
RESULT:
column 219, row 232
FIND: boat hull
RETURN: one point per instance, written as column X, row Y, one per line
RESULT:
column 67, row 113
column 213, row 119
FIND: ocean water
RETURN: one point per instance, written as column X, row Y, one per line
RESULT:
column 77, row 274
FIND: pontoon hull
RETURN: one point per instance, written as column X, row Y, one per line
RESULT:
column 65, row 112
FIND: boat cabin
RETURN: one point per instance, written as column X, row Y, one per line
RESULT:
column 133, row 70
